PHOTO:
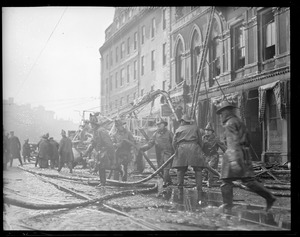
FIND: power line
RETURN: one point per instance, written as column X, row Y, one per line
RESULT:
column 26, row 78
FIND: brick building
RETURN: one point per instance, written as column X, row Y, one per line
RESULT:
column 248, row 60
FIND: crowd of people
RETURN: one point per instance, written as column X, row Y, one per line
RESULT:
column 192, row 147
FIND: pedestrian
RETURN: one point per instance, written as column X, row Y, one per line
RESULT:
column 54, row 157
column 211, row 145
column 5, row 150
column 187, row 142
column 26, row 151
column 162, row 140
column 237, row 162
column 123, row 141
column 65, row 152
column 43, row 153
column 104, row 148
column 14, row 148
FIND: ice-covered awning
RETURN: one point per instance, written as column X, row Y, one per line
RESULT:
column 278, row 89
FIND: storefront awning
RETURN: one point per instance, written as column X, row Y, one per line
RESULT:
column 278, row 89
column 231, row 97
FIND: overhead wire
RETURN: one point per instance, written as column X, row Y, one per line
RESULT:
column 26, row 78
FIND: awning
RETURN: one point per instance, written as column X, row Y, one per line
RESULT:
column 278, row 90
column 231, row 97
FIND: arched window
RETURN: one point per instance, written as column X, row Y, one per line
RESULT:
column 179, row 62
column 195, row 56
column 215, row 52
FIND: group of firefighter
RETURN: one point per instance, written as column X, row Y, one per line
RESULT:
column 50, row 153
column 191, row 148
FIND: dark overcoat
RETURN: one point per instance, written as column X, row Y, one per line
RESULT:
column 65, row 150
column 236, row 161
column 188, row 143
column 14, row 147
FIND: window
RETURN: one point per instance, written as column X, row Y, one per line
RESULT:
column 128, row 73
column 164, row 85
column 122, row 76
column 111, row 58
column 195, row 56
column 122, row 50
column 107, row 61
column 153, row 28
column 117, row 54
column 135, row 70
column 110, row 83
column 164, row 19
column 135, row 41
column 130, row 13
column 128, row 45
column 123, row 18
column 142, row 92
column 134, row 95
column 214, row 54
column 152, row 60
column 116, row 80
column 127, row 99
column 143, row 34
column 142, row 65
column 239, row 47
column 178, row 12
column 268, row 29
column 117, row 24
column 164, row 56
column 152, row 88
column 179, row 63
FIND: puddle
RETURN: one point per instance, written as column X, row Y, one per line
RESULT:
column 257, row 214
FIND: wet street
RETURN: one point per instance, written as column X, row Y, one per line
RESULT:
column 156, row 210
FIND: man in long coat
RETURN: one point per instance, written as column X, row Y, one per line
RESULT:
column 44, row 152
column 123, row 148
column 237, row 162
column 104, row 148
column 188, row 144
column 162, row 140
column 54, row 157
column 211, row 145
column 14, row 148
column 26, row 151
column 65, row 152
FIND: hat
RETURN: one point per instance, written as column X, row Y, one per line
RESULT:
column 209, row 127
column 186, row 118
column 63, row 132
column 93, row 119
column 224, row 105
column 161, row 121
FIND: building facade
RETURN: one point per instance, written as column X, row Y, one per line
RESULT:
column 248, row 61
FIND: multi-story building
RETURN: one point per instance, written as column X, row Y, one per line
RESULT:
column 134, row 57
column 248, row 61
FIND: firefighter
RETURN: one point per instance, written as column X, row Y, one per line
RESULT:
column 211, row 144
column 123, row 141
column 236, row 162
column 54, row 157
column 14, row 148
column 103, row 145
column 162, row 139
column 188, row 144
column 65, row 152
column 26, row 150
column 44, row 152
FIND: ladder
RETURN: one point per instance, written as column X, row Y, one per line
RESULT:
column 201, row 68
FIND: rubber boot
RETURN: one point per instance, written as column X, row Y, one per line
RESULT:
column 167, row 178
column 227, row 195
column 102, row 176
column 263, row 192
column 201, row 200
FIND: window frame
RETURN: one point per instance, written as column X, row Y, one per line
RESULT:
column 142, row 65
column 135, row 39
column 164, row 53
column 152, row 60
column 153, row 27
column 143, row 34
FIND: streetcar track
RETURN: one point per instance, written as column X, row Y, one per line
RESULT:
column 145, row 224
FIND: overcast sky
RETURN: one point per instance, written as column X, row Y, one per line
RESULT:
column 51, row 56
